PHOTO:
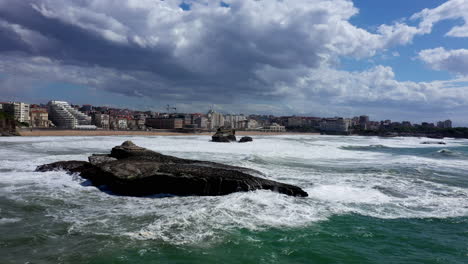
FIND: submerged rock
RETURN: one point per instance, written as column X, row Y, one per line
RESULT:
column 433, row 143
column 245, row 139
column 71, row 166
column 224, row 135
column 136, row 171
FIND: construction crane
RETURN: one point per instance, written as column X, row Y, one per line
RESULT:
column 169, row 108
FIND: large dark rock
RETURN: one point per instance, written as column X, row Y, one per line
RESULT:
column 245, row 139
column 136, row 171
column 224, row 135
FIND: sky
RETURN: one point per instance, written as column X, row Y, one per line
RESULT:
column 399, row 60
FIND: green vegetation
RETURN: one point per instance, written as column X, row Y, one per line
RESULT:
column 4, row 115
column 23, row 124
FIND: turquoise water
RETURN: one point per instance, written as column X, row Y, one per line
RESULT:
column 371, row 200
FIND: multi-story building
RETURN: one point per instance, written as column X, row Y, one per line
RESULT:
column 19, row 110
column 65, row 116
column 215, row 120
column 188, row 120
column 39, row 117
column 252, row 124
column 132, row 124
column 340, row 125
column 165, row 123
column 233, row 121
column 363, row 121
column 122, row 123
column 444, row 124
column 312, row 122
column 201, row 122
column 295, row 121
column 101, row 120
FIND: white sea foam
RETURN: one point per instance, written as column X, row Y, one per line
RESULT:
column 9, row 220
column 339, row 181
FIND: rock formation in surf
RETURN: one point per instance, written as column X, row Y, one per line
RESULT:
column 136, row 171
column 224, row 135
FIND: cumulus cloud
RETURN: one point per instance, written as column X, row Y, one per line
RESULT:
column 455, row 61
column 212, row 53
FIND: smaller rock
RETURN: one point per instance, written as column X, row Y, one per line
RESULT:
column 433, row 143
column 71, row 166
column 245, row 139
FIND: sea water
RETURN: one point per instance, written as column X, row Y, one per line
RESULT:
column 371, row 200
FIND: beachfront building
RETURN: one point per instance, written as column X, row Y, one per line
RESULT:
column 339, row 125
column 101, row 120
column 215, row 120
column 165, row 123
column 19, row 110
column 136, row 124
column 296, row 121
column 234, row 121
column 201, row 122
column 273, row 128
column 39, row 117
column 65, row 116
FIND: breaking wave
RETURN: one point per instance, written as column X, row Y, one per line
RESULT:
column 340, row 180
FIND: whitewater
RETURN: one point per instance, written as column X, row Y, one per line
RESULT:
column 372, row 182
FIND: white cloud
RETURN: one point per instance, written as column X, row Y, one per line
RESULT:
column 295, row 31
column 452, row 9
column 455, row 61
column 258, row 50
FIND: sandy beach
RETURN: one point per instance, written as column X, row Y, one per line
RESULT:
column 45, row 133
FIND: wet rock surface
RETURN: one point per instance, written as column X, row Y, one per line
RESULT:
column 136, row 171
column 245, row 139
column 224, row 135
column 433, row 143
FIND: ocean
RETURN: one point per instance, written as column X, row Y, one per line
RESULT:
column 371, row 200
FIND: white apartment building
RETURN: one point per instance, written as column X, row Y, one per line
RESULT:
column 234, row 121
column 65, row 116
column 215, row 120
column 19, row 110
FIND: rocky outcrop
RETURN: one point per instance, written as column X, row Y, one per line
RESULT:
column 136, row 171
column 245, row 139
column 224, row 135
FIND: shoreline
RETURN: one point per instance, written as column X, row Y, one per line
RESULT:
column 71, row 133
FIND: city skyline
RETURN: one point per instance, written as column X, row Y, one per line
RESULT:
column 398, row 60
column 169, row 110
